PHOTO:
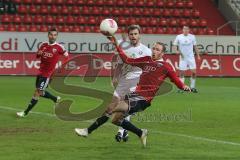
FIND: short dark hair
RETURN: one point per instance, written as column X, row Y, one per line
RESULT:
column 53, row 29
column 163, row 45
column 134, row 26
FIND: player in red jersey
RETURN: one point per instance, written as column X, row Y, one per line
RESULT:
column 49, row 54
column 155, row 70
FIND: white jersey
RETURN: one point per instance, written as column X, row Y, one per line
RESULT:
column 128, row 71
column 185, row 44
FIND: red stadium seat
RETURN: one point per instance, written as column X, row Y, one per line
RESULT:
column 22, row 9
column 193, row 23
column 43, row 28
column 90, row 3
column 59, row 20
column 43, row 9
column 109, row 3
column 179, row 4
column 106, row 11
column 122, row 21
column 132, row 21
column 86, row 10
column 65, row 29
column 196, row 14
column 53, row 10
column 96, row 11
column 70, row 19
column 170, row 4
column 92, row 20
column 48, row 2
column 120, row 3
column 11, row 28
column 157, row 12
column 143, row 22
column 2, row 28
column 38, row 2
column 150, row 4
column 160, row 4
column 33, row 9
column 170, row 30
column 116, row 12
column 203, row 23
column 176, row 13
column 166, row 13
column 33, row 28
column 186, row 13
column 87, row 29
column 189, row 4
column 69, row 2
column 149, row 30
column 183, row 22
column 100, row 3
column 76, row 29
column 163, row 22
column 159, row 30
column 49, row 19
column 210, row 31
column 173, row 23
column 6, row 18
column 17, row 18
column 75, row 10
column 38, row 19
column 140, row 3
column 27, row 19
column 17, row 1
column 60, row 2
column 64, row 10
column 153, row 22
column 81, row 20
column 22, row 29
column 137, row 12
column 130, row 3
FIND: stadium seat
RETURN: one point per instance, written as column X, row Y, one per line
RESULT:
column 60, row 2
column 189, row 4
column 64, row 10
column 87, row 29
column 37, row 2
column 176, row 13
column 33, row 9
column 43, row 9
column 22, row 28
column 6, row 18
column 33, row 28
column 106, row 11
column 140, row 3
column 17, row 18
column 159, row 30
column 149, row 30
column 59, row 20
column 26, row 1
column 43, row 28
column 76, row 29
column 53, row 10
column 38, row 19
column 203, row 23
column 130, row 3
column 100, row 3
column 11, row 28
column 75, row 10
column 160, row 4
column 92, row 20
column 166, row 13
column 180, row 4
column 137, row 12
column 65, row 29
column 17, row 1
column 69, row 2
column 2, row 28
column 49, row 19
column 86, row 10
column 157, row 12
column 27, row 19
column 210, row 31
column 116, row 12
column 90, row 3
column 109, row 3
column 22, row 9
column 70, row 19
column 120, row 3
column 153, row 22
column 163, row 22
column 170, row 4
column 48, row 2
column 81, row 20
column 183, row 22
column 150, row 4
column 173, row 23
column 186, row 13
column 143, row 22
column 193, row 23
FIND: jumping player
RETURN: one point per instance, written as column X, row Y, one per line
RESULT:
column 126, row 76
column 154, row 72
column 48, row 53
column 187, row 44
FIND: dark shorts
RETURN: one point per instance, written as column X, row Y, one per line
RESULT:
column 42, row 82
column 136, row 103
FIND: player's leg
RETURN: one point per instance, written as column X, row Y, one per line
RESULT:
column 182, row 69
column 46, row 94
column 34, row 99
column 118, row 119
column 99, row 121
column 192, row 66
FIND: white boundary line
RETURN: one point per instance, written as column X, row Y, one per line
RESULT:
column 155, row 132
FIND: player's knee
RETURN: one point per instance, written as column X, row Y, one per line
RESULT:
column 117, row 120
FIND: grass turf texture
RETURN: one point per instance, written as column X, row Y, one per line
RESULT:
column 208, row 123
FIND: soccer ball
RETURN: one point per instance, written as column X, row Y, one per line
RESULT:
column 108, row 26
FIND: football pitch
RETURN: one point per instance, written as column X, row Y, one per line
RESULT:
column 181, row 125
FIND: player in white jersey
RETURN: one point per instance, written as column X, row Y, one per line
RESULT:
column 126, row 76
column 185, row 44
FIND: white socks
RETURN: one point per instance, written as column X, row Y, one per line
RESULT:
column 193, row 82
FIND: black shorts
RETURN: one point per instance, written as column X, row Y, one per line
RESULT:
column 42, row 82
column 136, row 103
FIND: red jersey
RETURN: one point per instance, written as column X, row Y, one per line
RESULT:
column 49, row 57
column 153, row 74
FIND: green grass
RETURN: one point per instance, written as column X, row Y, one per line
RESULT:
column 211, row 122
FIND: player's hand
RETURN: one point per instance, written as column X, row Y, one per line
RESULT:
column 39, row 53
column 187, row 88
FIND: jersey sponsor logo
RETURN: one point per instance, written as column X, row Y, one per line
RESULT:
column 140, row 53
column 149, row 69
column 47, row 54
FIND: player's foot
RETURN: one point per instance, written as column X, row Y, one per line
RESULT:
column 125, row 136
column 58, row 99
column 118, row 137
column 194, row 90
column 143, row 138
column 21, row 114
column 81, row 132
